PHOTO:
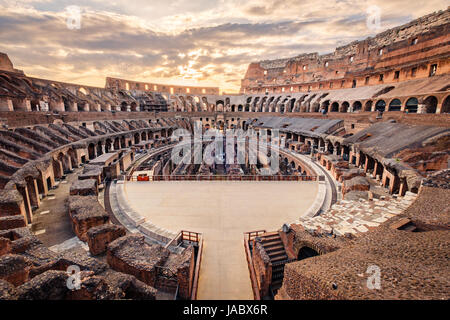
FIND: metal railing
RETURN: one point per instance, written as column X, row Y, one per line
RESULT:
column 224, row 178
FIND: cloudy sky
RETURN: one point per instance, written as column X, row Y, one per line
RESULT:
column 189, row 42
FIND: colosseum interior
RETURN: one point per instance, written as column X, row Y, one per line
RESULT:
column 361, row 137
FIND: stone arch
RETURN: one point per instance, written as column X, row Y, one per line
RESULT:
column 269, row 102
column 306, row 252
column 133, row 106
column 326, row 105
column 91, row 151
column 380, row 105
column 83, row 106
column 144, row 136
column 291, row 105
column 446, row 105
column 33, row 193
column 99, row 148
column 344, row 106
column 116, row 143
column 65, row 161
column 334, row 107
column 431, row 103
column 395, row 105
column 108, row 145
column 136, row 138
column 72, row 158
column 411, row 105
column 123, row 106
column 261, row 104
column 357, row 105
column 66, row 103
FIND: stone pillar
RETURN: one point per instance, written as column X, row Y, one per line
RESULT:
column 12, row 204
column 375, row 168
column 44, row 188
column 22, row 104
column 6, row 104
column 33, row 193
column 57, row 106
column 26, row 200
column 366, row 164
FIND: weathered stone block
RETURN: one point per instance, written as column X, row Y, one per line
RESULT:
column 131, row 255
column 12, row 222
column 131, row 288
column 87, row 187
column 85, row 213
column 355, row 184
column 99, row 237
column 14, row 269
column 7, row 291
column 5, row 246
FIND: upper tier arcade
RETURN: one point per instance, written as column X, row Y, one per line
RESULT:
column 416, row 50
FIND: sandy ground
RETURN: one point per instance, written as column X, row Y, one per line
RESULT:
column 222, row 211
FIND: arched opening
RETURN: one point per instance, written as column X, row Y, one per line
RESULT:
column 233, row 108
column 99, row 148
column 66, row 104
column 380, row 106
column 411, row 105
column 143, row 136
column 108, row 145
column 91, row 151
column 240, row 108
column 368, row 106
column 431, row 104
column 67, row 167
column 334, row 107
column 35, row 105
column 344, row 107
column 395, row 105
column 247, row 108
column 136, row 138
column 306, row 252
column 123, row 106
column 133, row 106
column 326, row 105
column 33, row 193
column 446, row 105
column 116, row 144
column 57, row 169
column 357, row 105
column 72, row 158
column 82, row 107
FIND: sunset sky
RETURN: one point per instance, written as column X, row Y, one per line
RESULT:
column 188, row 42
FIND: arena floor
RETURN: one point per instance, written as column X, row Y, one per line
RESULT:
column 222, row 211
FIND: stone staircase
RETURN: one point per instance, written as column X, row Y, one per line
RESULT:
column 274, row 248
